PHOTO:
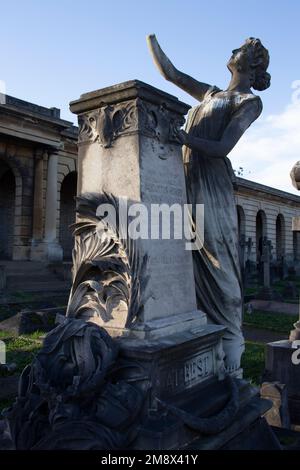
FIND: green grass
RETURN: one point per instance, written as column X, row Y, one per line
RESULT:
column 251, row 290
column 273, row 321
column 21, row 349
column 253, row 362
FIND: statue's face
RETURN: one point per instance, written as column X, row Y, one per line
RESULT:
column 239, row 61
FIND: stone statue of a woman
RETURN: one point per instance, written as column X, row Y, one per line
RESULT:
column 213, row 128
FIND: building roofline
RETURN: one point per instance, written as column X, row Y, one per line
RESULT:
column 12, row 104
column 252, row 185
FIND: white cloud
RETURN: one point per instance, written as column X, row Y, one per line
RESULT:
column 268, row 150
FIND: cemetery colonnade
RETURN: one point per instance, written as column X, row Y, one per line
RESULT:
column 38, row 150
column 267, row 213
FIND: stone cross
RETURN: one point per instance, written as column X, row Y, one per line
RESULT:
column 249, row 244
column 266, row 259
column 242, row 249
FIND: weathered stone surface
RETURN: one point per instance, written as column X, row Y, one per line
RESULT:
column 177, row 363
column 296, row 224
column 278, row 415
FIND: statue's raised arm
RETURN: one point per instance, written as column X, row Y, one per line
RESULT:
column 212, row 130
column 169, row 72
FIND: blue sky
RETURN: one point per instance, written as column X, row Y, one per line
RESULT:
column 52, row 51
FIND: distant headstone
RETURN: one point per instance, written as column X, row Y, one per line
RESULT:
column 266, row 260
column 281, row 368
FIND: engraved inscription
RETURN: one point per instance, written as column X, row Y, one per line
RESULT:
column 188, row 373
column 196, row 368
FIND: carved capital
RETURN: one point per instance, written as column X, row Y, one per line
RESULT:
column 107, row 123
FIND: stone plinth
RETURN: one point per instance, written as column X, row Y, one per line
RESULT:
column 127, row 147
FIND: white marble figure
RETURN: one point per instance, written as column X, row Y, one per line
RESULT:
column 213, row 128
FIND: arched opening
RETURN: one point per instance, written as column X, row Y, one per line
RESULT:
column 280, row 237
column 7, row 210
column 67, row 213
column 261, row 232
column 241, row 221
column 241, row 236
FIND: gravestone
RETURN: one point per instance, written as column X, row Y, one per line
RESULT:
column 127, row 148
column 267, row 293
column 266, row 260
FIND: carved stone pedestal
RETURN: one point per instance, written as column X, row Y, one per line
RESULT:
column 127, row 150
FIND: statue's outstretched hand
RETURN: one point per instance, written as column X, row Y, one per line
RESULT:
column 172, row 74
column 164, row 65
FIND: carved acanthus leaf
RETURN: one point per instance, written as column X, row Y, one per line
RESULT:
column 108, row 123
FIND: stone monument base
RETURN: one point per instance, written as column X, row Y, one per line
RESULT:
column 248, row 430
column 163, row 393
column 190, row 403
